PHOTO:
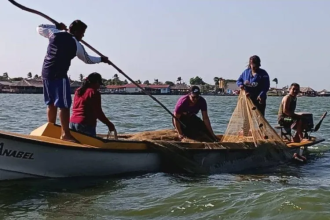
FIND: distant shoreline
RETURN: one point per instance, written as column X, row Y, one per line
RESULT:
column 162, row 94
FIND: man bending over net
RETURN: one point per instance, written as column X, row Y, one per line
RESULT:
column 186, row 109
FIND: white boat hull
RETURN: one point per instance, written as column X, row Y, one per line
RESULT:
column 34, row 160
column 43, row 155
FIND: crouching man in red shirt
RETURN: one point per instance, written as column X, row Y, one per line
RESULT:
column 87, row 107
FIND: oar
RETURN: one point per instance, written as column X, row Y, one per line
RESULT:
column 318, row 125
column 97, row 52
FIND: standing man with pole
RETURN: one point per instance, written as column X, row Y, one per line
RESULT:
column 62, row 48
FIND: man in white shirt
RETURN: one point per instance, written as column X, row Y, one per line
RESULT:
column 62, row 48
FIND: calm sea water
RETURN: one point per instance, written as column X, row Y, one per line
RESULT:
column 286, row 192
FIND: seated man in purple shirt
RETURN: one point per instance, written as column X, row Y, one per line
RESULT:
column 186, row 109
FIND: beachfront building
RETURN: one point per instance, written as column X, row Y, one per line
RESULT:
column 324, row 92
column 74, row 85
column 29, row 86
column 307, row 91
column 154, row 89
column 23, row 86
column 115, row 89
column 133, row 89
column 5, row 86
column 179, row 89
column 159, row 89
column 222, row 85
column 276, row 92
column 231, row 88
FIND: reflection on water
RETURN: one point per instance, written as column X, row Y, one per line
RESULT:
column 293, row 191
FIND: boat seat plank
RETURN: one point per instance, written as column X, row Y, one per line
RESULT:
column 300, row 144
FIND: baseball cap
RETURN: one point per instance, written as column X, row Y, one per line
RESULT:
column 195, row 90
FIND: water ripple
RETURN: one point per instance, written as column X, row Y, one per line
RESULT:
column 283, row 192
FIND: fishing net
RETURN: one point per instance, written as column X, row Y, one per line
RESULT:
column 247, row 128
column 247, row 124
column 164, row 135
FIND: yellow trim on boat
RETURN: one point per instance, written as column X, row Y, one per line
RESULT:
column 301, row 144
column 50, row 133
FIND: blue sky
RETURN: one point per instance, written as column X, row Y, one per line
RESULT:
column 166, row 39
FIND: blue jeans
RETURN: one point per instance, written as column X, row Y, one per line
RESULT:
column 85, row 129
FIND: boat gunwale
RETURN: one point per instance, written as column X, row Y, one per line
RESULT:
column 91, row 148
column 33, row 140
column 316, row 141
column 69, row 146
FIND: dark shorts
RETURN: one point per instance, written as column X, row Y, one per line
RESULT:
column 288, row 122
column 195, row 128
column 260, row 107
column 57, row 92
column 85, row 129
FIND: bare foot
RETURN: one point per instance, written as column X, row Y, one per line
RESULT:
column 296, row 140
column 69, row 138
column 304, row 140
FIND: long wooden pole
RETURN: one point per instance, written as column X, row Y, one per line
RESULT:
column 97, row 52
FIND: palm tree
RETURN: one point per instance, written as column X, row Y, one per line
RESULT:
column 81, row 77
column 29, row 75
column 108, row 82
column 36, row 76
column 5, row 75
column 276, row 81
column 169, row 83
column 116, row 79
column 104, row 81
column 216, row 83
column 216, row 80
column 179, row 79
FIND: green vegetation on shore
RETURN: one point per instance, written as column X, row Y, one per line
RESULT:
column 115, row 80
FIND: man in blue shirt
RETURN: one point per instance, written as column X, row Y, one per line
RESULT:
column 255, row 81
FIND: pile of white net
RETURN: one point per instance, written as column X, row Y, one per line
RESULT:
column 246, row 124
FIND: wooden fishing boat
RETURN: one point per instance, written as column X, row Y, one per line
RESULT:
column 43, row 154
